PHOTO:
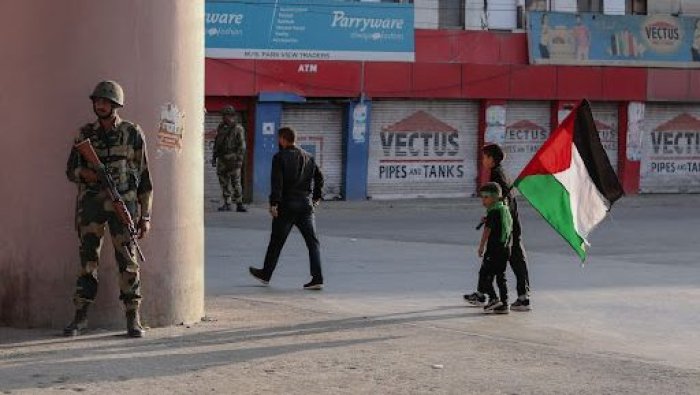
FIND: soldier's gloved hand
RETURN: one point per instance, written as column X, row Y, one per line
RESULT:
column 144, row 228
column 88, row 175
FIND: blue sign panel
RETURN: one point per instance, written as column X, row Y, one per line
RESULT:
column 610, row 40
column 309, row 30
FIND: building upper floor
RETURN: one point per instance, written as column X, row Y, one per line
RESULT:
column 510, row 14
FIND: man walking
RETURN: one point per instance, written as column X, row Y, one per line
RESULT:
column 297, row 184
column 228, row 158
column 121, row 147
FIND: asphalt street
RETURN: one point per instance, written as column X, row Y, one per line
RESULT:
column 391, row 319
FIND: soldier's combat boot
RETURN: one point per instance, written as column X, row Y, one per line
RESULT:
column 133, row 324
column 79, row 323
column 240, row 208
column 225, row 207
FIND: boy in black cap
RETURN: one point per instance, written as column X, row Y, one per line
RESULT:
column 492, row 156
column 494, row 248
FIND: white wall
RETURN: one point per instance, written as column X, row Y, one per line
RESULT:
column 614, row 7
column 474, row 15
column 502, row 14
column 691, row 7
column 426, row 14
column 663, row 6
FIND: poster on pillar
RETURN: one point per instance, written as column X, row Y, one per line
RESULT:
column 309, row 30
column 422, row 149
column 671, row 149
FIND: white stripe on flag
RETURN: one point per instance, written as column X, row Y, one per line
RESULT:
column 588, row 205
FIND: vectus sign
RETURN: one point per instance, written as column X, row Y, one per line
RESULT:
column 420, row 147
column 663, row 33
column 420, row 144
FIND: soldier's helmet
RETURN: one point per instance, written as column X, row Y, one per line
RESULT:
column 109, row 90
column 228, row 110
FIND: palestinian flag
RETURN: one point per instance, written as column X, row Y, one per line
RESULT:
column 570, row 181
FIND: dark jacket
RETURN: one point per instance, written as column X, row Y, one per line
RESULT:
column 499, row 176
column 295, row 176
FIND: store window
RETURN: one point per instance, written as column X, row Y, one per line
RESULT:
column 636, row 7
column 590, row 6
column 451, row 14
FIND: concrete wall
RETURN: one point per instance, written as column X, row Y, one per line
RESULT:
column 53, row 53
column 426, row 14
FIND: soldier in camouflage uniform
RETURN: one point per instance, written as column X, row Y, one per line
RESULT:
column 228, row 158
column 121, row 147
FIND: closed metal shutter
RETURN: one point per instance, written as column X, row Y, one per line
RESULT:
column 212, row 191
column 423, row 149
column 527, row 128
column 607, row 122
column 670, row 149
column 319, row 131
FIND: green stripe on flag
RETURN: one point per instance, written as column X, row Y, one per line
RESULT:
column 552, row 201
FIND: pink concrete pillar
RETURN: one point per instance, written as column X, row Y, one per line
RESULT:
column 51, row 55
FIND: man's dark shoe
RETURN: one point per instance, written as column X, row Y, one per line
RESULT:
column 259, row 275
column 492, row 305
column 316, row 284
column 521, row 305
column 225, row 207
column 502, row 309
column 79, row 323
column 240, row 208
column 475, row 300
column 133, row 324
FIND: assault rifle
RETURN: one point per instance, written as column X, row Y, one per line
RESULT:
column 86, row 150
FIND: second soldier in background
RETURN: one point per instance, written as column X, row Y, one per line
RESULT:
column 228, row 158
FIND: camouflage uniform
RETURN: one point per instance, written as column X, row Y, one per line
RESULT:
column 229, row 155
column 122, row 149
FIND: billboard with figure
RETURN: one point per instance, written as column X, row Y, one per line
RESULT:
column 614, row 40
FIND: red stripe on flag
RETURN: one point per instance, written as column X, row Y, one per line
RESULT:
column 555, row 154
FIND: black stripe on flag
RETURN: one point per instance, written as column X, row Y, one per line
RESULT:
column 587, row 141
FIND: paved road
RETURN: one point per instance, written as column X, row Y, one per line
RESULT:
column 391, row 319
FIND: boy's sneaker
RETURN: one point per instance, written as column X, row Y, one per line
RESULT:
column 258, row 274
column 316, row 284
column 521, row 305
column 475, row 300
column 492, row 305
column 502, row 309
